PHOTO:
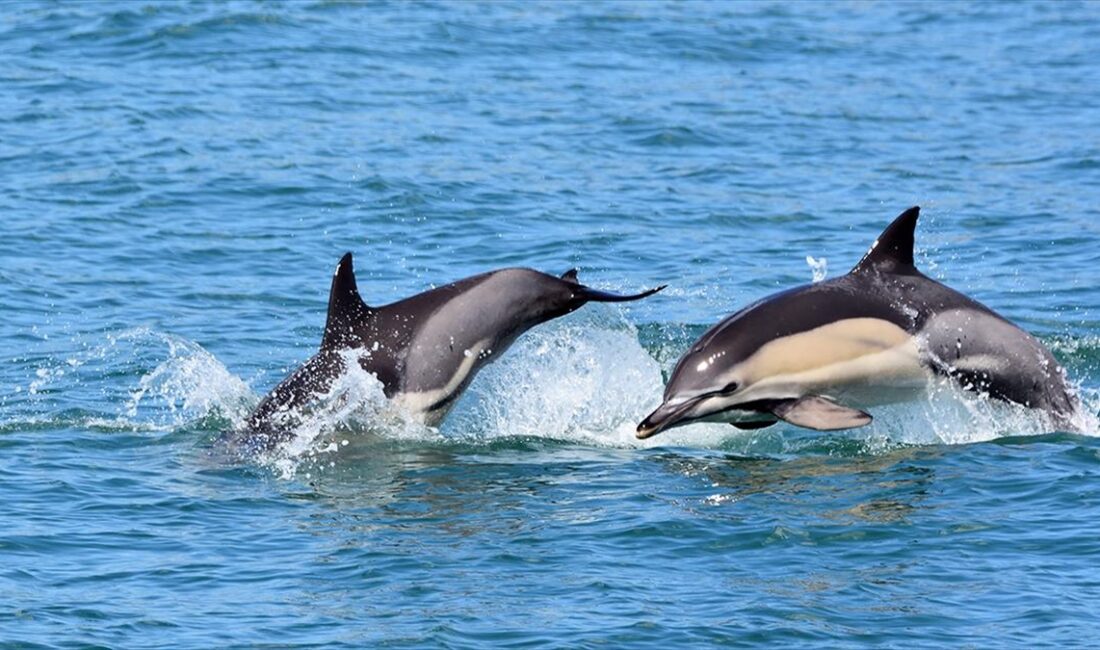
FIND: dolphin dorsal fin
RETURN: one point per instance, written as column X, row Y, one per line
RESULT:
column 345, row 308
column 570, row 276
column 892, row 252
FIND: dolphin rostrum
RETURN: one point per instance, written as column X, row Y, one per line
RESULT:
column 427, row 348
column 815, row 355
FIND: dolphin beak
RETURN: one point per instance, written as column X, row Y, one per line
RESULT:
column 663, row 417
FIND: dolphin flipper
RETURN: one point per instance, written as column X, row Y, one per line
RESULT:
column 821, row 413
column 749, row 426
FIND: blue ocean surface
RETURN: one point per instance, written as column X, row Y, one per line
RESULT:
column 179, row 179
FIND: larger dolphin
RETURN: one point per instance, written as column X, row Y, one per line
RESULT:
column 816, row 355
column 427, row 348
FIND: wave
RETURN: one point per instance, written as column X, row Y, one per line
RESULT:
column 584, row 380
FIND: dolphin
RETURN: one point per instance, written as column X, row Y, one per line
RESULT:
column 427, row 348
column 815, row 356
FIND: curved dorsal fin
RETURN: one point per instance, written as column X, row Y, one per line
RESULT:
column 892, row 252
column 570, row 276
column 345, row 308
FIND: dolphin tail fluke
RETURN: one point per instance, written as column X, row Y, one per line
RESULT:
column 592, row 295
column 588, row 294
column 345, row 308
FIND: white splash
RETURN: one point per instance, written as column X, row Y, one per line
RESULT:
column 180, row 382
column 587, row 379
column 583, row 379
column 354, row 406
column 188, row 385
column 953, row 416
column 819, row 267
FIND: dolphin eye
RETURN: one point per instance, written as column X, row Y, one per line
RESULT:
column 730, row 387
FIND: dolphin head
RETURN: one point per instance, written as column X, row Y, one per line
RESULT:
column 719, row 378
column 708, row 383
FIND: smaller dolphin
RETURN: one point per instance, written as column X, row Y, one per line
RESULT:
column 814, row 356
column 427, row 348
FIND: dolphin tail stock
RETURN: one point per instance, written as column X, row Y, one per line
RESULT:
column 345, row 308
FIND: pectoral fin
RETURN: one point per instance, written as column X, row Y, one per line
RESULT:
column 821, row 413
column 760, row 424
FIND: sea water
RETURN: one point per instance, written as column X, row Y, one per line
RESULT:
column 178, row 180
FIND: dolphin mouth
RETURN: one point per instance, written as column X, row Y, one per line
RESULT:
column 665, row 416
